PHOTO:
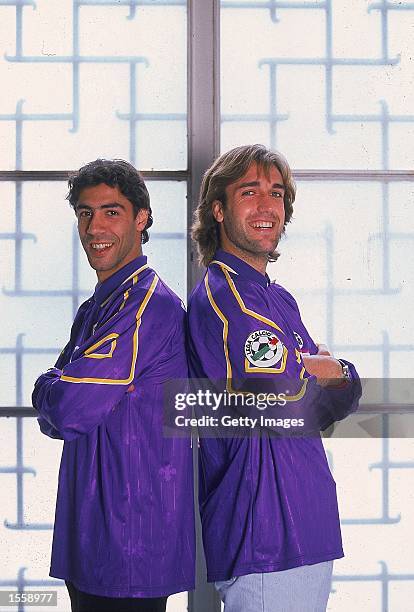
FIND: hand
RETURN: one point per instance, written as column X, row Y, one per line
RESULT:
column 326, row 368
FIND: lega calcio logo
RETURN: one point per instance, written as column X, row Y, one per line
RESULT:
column 263, row 349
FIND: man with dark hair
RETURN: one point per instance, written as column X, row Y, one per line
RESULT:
column 124, row 513
column 116, row 173
column 268, row 502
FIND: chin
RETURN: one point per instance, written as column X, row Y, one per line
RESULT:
column 265, row 250
column 98, row 267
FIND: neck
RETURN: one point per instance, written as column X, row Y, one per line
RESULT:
column 103, row 275
column 258, row 262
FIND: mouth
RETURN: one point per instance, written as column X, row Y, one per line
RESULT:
column 263, row 225
column 98, row 248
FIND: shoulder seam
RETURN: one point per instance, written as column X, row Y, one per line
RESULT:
column 126, row 381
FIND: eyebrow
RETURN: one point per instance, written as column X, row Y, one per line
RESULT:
column 82, row 206
column 257, row 183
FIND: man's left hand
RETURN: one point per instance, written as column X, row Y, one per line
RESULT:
column 326, row 368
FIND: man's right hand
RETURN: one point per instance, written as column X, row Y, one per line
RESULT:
column 323, row 350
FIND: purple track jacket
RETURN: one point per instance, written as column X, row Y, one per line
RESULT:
column 124, row 523
column 267, row 503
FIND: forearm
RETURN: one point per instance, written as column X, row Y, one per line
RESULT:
column 72, row 409
column 48, row 430
column 326, row 368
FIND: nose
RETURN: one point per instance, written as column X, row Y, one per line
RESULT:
column 265, row 203
column 96, row 224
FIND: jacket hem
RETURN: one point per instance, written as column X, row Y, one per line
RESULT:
column 262, row 568
column 122, row 591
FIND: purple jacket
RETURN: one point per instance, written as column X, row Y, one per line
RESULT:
column 267, row 503
column 124, row 522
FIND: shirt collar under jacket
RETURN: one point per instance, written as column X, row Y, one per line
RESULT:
column 242, row 268
column 103, row 290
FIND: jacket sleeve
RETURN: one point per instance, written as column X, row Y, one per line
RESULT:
column 63, row 358
column 342, row 399
column 77, row 397
column 235, row 338
column 45, row 426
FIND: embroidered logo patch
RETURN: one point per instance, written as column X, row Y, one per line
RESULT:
column 263, row 349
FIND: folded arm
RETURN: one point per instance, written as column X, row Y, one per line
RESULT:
column 74, row 399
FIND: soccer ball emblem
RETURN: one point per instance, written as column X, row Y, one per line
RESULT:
column 263, row 349
column 298, row 339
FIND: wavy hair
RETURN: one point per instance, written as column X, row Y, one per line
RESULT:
column 228, row 169
column 114, row 173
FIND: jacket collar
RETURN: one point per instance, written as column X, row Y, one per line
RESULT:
column 107, row 287
column 240, row 267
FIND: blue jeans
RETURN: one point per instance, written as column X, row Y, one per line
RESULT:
column 301, row 589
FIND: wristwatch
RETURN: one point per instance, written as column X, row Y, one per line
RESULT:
column 346, row 372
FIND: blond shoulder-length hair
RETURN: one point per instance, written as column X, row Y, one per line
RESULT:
column 228, row 169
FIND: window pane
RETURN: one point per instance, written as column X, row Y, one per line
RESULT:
column 29, row 463
column 27, row 509
column 104, row 80
column 345, row 256
column 329, row 84
column 167, row 247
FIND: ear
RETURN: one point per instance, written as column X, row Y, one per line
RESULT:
column 217, row 209
column 141, row 219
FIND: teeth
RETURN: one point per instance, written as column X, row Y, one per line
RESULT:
column 263, row 224
column 101, row 245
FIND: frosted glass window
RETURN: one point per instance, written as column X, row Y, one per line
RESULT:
column 329, row 84
column 82, row 80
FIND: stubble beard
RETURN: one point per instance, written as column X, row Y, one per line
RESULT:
column 252, row 247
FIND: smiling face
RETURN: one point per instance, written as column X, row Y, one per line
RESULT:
column 108, row 230
column 252, row 219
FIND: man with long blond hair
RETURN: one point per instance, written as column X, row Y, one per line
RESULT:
column 268, row 502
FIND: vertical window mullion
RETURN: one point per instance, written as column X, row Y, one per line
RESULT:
column 203, row 104
column 203, row 147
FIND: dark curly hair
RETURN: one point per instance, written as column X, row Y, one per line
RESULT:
column 228, row 169
column 114, row 173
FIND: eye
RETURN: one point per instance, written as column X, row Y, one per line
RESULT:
column 248, row 192
column 113, row 213
column 83, row 213
column 277, row 194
